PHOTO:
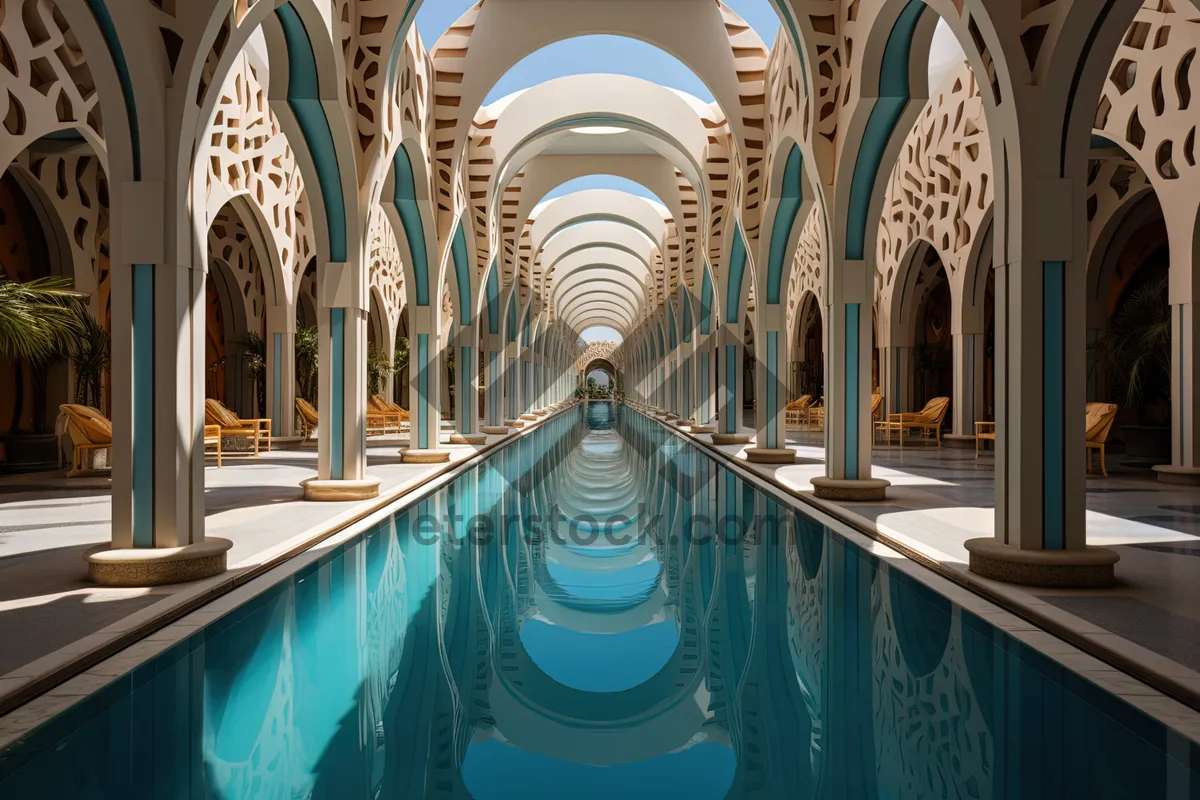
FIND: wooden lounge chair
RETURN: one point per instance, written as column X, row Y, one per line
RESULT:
column 380, row 413
column 984, row 432
column 89, row 431
column 212, row 437
column 929, row 418
column 1100, row 418
column 307, row 416
column 1099, row 421
column 256, row 430
column 794, row 410
column 815, row 415
column 876, row 407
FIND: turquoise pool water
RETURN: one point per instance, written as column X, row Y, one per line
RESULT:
column 600, row 611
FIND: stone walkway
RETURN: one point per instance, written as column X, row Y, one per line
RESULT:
column 940, row 498
column 52, row 618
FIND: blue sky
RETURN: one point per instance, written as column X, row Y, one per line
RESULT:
column 596, row 54
column 603, row 54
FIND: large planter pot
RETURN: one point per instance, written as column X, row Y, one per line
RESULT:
column 1146, row 446
column 30, row 452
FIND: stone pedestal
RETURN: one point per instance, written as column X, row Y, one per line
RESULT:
column 338, row 491
column 515, row 423
column 496, row 430
column 851, row 490
column 415, row 456
column 157, row 566
column 730, row 438
column 469, row 438
column 1181, row 476
column 770, row 455
column 1090, row 568
column 955, row 441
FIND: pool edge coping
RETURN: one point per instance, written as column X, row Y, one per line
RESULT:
column 72, row 662
column 969, row 591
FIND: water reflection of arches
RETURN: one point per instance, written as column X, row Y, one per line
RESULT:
column 544, row 590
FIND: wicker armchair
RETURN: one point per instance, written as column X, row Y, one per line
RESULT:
column 1100, row 418
column 382, row 414
column 307, row 415
column 794, row 410
column 929, row 418
column 256, row 430
column 89, row 431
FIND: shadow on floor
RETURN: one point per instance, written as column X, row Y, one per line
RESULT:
column 218, row 499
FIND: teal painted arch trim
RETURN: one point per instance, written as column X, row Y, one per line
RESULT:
column 404, row 198
column 492, row 298
column 894, row 96
column 671, row 325
column 113, row 42
column 686, row 306
column 305, row 102
column 789, row 24
column 790, row 199
column 406, row 21
column 737, row 273
column 462, row 275
column 512, row 319
column 706, row 298
column 525, row 327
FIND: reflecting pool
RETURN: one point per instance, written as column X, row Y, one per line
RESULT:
column 600, row 611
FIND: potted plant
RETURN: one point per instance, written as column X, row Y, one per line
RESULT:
column 1137, row 347
column 400, row 367
column 90, row 354
column 307, row 348
column 38, row 320
column 379, row 367
column 254, row 358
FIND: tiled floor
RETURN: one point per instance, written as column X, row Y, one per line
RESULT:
column 49, row 613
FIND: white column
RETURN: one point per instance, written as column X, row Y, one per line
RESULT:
column 281, row 370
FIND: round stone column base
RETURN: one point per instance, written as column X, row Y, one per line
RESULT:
column 770, row 455
column 861, row 490
column 1180, row 476
column 338, row 491
column 698, row 428
column 515, row 423
column 529, row 417
column 496, row 430
column 157, row 566
column 468, row 438
column 417, row 456
column 730, row 438
column 1090, row 568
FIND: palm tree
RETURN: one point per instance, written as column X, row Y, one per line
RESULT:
column 255, row 361
column 1138, row 348
column 379, row 367
column 38, row 318
column 90, row 356
column 307, row 347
